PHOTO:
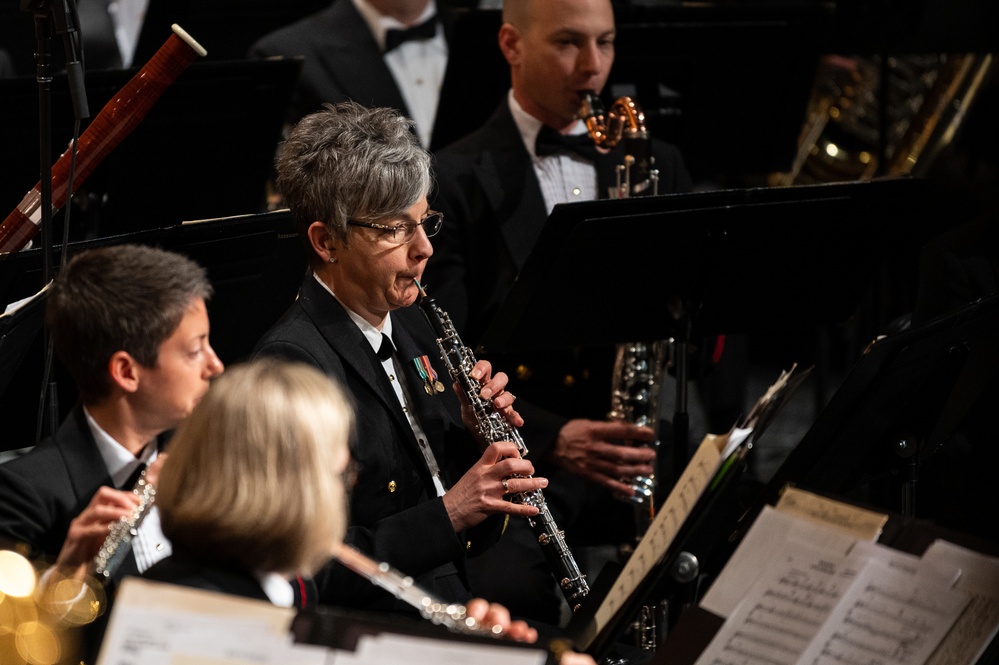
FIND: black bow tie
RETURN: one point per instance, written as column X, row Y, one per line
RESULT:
column 550, row 142
column 386, row 348
column 421, row 32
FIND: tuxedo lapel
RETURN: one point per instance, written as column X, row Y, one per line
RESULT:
column 355, row 352
column 352, row 55
column 511, row 187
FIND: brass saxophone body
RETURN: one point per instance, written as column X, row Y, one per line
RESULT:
column 118, row 542
column 625, row 122
column 459, row 361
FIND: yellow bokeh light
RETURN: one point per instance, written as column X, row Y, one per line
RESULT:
column 17, row 576
column 832, row 150
column 37, row 644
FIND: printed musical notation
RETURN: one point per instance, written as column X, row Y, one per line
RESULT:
column 812, row 604
column 888, row 617
column 784, row 610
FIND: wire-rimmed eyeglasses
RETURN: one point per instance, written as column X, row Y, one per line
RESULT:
column 404, row 232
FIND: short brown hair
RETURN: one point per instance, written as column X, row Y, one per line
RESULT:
column 253, row 477
column 119, row 298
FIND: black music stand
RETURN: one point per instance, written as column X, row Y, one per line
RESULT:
column 919, row 386
column 690, row 265
column 206, row 148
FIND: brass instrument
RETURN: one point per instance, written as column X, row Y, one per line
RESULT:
column 493, row 427
column 118, row 542
column 625, row 121
column 922, row 100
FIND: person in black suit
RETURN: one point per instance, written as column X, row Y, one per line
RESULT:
column 497, row 187
column 379, row 53
column 130, row 325
column 357, row 183
column 277, row 433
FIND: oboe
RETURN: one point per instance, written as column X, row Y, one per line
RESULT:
column 493, row 427
column 118, row 543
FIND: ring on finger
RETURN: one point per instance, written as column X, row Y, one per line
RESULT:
column 506, row 486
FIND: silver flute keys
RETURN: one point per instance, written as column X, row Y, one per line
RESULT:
column 452, row 616
column 491, row 424
column 117, row 545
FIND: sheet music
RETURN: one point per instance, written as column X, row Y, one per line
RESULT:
column 650, row 551
column 979, row 623
column 388, row 649
column 765, row 542
column 784, row 610
column 889, row 617
column 863, row 524
column 810, row 606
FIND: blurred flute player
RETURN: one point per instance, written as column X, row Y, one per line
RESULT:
column 357, row 181
column 131, row 326
column 277, row 433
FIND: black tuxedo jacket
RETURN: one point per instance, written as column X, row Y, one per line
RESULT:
column 395, row 514
column 185, row 571
column 342, row 60
column 493, row 214
column 43, row 491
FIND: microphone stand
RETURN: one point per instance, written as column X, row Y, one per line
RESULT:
column 61, row 13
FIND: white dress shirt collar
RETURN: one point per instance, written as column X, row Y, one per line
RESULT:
column 119, row 462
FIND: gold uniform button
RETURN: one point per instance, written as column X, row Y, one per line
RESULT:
column 523, row 372
column 392, row 486
column 569, row 380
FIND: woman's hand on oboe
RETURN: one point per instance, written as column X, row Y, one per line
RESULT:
column 492, row 388
column 482, row 491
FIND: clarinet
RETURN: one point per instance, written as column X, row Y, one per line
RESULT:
column 493, row 427
column 118, row 543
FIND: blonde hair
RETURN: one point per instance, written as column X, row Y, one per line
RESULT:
column 253, row 477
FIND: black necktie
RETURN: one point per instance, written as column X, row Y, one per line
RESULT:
column 385, row 350
column 129, row 484
column 421, row 32
column 550, row 142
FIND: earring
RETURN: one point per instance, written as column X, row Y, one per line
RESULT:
column 332, row 259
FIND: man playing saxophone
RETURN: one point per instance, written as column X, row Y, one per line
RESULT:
column 496, row 188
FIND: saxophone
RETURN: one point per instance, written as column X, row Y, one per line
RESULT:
column 493, row 427
column 626, row 122
column 118, row 543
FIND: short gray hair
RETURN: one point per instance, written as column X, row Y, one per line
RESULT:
column 348, row 162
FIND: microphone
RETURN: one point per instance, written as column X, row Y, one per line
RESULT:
column 64, row 17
